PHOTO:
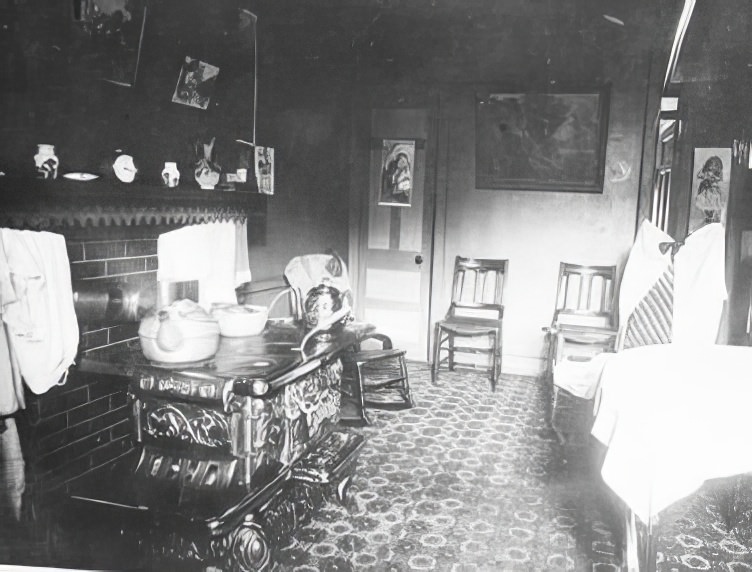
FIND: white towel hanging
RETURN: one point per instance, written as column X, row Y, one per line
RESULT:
column 37, row 306
column 215, row 254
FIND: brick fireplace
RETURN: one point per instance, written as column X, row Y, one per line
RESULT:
column 85, row 424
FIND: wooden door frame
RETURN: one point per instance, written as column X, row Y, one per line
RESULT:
column 364, row 101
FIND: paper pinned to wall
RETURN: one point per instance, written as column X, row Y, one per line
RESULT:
column 710, row 186
column 196, row 83
column 264, row 165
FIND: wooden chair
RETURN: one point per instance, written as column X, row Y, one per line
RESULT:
column 376, row 378
column 582, row 327
column 375, row 373
column 475, row 314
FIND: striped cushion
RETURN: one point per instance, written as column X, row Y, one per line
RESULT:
column 650, row 322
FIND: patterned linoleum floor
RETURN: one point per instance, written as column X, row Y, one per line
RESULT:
column 472, row 480
column 466, row 480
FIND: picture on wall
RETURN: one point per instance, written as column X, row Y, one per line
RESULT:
column 264, row 164
column 195, row 84
column 397, row 168
column 710, row 186
column 110, row 38
column 541, row 141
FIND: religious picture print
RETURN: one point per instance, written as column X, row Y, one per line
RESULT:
column 195, row 83
column 710, row 186
column 397, row 164
column 264, row 165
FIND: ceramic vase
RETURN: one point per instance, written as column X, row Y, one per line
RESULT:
column 207, row 171
column 46, row 161
column 170, row 174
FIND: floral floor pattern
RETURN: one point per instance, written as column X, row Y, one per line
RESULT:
column 466, row 480
column 469, row 480
column 694, row 533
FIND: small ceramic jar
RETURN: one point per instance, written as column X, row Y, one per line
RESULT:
column 170, row 174
column 46, row 161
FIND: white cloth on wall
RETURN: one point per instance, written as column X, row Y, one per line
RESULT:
column 214, row 254
column 700, row 286
column 36, row 303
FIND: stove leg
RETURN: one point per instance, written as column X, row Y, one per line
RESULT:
column 249, row 549
column 342, row 489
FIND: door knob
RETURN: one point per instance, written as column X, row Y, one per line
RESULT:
column 418, row 259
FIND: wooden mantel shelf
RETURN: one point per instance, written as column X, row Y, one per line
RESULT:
column 39, row 204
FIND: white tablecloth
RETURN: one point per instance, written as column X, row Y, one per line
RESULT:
column 672, row 417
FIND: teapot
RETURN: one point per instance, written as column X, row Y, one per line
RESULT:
column 325, row 309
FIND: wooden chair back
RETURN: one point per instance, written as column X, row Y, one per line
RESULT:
column 585, row 295
column 478, row 288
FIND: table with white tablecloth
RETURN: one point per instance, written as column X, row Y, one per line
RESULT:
column 673, row 416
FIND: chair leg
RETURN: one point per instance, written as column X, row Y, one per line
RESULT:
column 405, row 382
column 361, row 395
column 357, row 396
column 554, row 402
column 498, row 354
column 450, row 350
column 492, row 335
column 436, row 352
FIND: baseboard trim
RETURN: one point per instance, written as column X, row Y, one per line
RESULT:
column 514, row 365
column 522, row 365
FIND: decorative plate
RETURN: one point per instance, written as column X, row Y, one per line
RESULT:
column 81, row 176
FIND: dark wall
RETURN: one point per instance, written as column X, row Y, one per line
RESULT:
column 310, row 55
column 56, row 89
column 51, row 91
column 304, row 113
column 389, row 52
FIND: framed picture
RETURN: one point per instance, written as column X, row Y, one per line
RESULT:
column 264, row 166
column 541, row 141
column 112, row 36
column 195, row 83
column 397, row 170
column 710, row 186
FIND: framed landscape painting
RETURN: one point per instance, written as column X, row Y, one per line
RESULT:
column 541, row 141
